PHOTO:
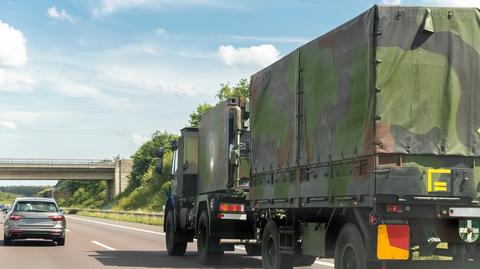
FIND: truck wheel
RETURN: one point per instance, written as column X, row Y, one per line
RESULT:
column 173, row 248
column 301, row 261
column 350, row 250
column 271, row 257
column 253, row 249
column 206, row 243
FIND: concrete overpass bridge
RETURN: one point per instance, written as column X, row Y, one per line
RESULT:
column 116, row 172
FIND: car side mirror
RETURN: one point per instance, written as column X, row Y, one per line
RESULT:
column 62, row 211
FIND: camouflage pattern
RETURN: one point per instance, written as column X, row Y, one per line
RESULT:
column 213, row 149
column 384, row 104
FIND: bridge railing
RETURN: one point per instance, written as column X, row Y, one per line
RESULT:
column 53, row 162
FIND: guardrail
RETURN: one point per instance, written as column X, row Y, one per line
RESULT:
column 132, row 213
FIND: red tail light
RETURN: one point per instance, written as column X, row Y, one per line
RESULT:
column 227, row 207
column 57, row 217
column 15, row 217
column 395, row 209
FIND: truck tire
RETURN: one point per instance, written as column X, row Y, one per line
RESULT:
column 174, row 248
column 253, row 249
column 206, row 244
column 350, row 250
column 301, row 261
column 271, row 257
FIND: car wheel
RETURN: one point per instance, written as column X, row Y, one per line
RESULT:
column 350, row 250
column 173, row 248
column 207, row 245
column 7, row 241
column 271, row 257
column 60, row 241
column 253, row 249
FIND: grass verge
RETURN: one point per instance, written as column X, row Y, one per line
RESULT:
column 123, row 217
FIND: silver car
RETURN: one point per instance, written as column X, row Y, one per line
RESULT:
column 34, row 218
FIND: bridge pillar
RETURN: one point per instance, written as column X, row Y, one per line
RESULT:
column 123, row 168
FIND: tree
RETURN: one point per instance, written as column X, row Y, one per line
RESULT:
column 195, row 115
column 226, row 91
column 239, row 90
column 144, row 158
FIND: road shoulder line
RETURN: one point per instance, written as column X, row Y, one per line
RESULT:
column 117, row 226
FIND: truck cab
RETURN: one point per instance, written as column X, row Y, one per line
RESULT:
column 208, row 199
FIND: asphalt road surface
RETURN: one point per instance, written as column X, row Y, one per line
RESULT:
column 99, row 243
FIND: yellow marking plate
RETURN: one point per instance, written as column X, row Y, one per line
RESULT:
column 437, row 186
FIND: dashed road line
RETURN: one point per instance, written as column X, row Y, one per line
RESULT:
column 102, row 245
column 67, row 230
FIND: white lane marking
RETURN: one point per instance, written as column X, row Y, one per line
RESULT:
column 163, row 234
column 118, row 226
column 325, row 263
column 102, row 245
column 67, row 230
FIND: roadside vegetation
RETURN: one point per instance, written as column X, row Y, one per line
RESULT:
column 147, row 190
column 7, row 198
column 122, row 217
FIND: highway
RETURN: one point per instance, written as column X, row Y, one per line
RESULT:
column 100, row 243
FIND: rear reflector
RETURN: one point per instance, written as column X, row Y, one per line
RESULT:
column 395, row 209
column 15, row 217
column 57, row 217
column 393, row 242
column 227, row 207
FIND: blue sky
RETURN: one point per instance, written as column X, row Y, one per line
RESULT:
column 95, row 78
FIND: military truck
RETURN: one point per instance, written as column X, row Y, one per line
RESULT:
column 362, row 146
column 208, row 199
column 365, row 142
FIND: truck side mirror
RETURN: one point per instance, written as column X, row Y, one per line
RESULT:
column 174, row 145
column 159, row 165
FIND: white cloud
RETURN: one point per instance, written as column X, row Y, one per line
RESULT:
column 161, row 33
column 15, row 81
column 8, row 125
column 60, row 15
column 139, row 139
column 392, row 2
column 110, row 6
column 21, row 116
column 454, row 3
column 13, row 49
column 262, row 55
column 84, row 90
column 273, row 39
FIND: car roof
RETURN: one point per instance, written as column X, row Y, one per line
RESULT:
column 35, row 199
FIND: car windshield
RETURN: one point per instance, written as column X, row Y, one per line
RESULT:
column 35, row 206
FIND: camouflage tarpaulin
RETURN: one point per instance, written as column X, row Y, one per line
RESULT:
column 384, row 104
column 335, row 84
column 213, row 150
column 429, row 81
